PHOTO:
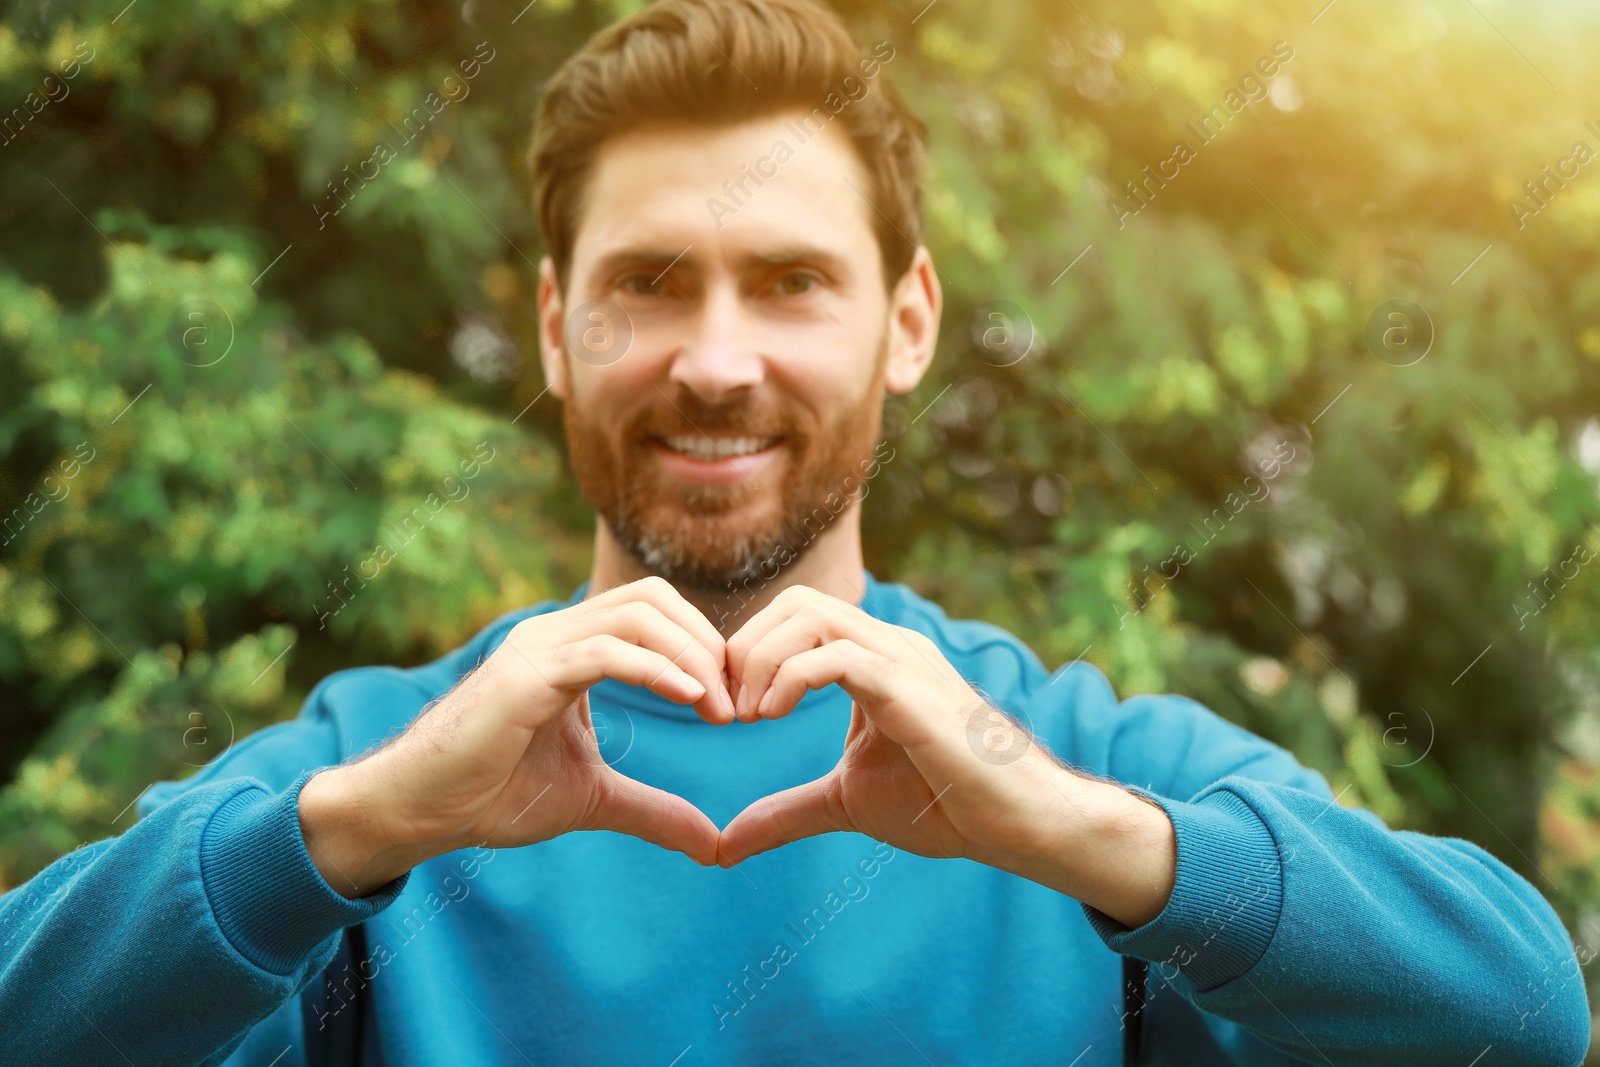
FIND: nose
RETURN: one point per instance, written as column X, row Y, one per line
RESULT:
column 721, row 356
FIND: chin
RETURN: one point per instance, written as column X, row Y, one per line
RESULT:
column 710, row 553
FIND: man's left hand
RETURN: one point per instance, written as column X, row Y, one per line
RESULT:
column 932, row 767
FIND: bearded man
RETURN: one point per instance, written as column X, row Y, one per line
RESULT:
column 828, row 838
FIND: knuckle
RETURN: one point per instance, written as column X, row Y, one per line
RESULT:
column 526, row 632
column 813, row 611
column 582, row 650
column 636, row 612
column 565, row 655
column 880, row 665
column 654, row 584
column 916, row 637
column 838, row 813
column 755, row 666
column 605, row 645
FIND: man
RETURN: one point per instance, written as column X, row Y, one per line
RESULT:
column 903, row 874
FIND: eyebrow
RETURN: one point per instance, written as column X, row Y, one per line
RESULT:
column 635, row 257
column 779, row 257
column 658, row 258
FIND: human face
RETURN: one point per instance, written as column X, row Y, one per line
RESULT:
column 759, row 320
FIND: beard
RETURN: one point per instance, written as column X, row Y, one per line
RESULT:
column 710, row 538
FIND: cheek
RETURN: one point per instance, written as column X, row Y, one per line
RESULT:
column 829, row 379
column 816, row 365
column 609, row 399
column 837, row 342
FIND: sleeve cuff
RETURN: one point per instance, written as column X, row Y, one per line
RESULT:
column 269, row 899
column 1225, row 901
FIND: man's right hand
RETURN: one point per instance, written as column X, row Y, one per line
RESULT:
column 509, row 756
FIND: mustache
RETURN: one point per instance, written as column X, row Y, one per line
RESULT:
column 689, row 416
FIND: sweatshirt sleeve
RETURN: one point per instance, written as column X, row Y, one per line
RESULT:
column 1315, row 927
column 164, row 945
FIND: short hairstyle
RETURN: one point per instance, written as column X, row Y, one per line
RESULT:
column 719, row 63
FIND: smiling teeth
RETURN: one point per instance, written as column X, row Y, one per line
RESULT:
column 717, row 447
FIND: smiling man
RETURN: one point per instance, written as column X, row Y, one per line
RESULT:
column 903, row 873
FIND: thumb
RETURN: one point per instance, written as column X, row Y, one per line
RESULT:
column 654, row 815
column 790, row 815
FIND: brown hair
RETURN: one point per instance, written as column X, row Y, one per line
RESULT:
column 721, row 62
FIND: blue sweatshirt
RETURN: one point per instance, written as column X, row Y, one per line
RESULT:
column 1298, row 932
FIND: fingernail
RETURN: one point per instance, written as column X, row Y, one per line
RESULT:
column 738, row 709
column 727, row 704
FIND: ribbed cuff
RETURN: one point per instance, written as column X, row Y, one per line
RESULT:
column 1225, row 902
column 269, row 899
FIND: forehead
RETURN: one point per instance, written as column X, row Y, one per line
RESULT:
column 747, row 189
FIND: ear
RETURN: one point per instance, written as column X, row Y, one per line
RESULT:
column 913, row 324
column 552, row 330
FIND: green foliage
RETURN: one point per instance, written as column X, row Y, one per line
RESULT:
column 248, row 496
column 1400, row 602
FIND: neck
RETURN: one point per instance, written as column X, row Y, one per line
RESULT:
column 831, row 563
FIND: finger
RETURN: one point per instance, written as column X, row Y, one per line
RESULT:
column 835, row 662
column 666, row 598
column 882, row 689
column 581, row 664
column 646, row 625
column 784, row 817
column 813, row 622
column 654, row 815
column 812, row 626
column 784, row 605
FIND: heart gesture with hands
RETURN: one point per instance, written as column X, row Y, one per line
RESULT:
column 509, row 756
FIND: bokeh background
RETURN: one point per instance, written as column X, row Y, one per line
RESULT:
column 1306, row 428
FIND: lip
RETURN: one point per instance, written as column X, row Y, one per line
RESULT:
column 719, row 471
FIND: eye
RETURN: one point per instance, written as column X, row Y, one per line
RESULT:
column 795, row 283
column 642, row 284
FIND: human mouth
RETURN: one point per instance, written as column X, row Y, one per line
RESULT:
column 701, row 458
column 701, row 447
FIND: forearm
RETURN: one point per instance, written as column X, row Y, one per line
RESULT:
column 1318, row 929
column 1329, row 935
column 204, row 915
column 345, row 836
column 1324, row 933
column 1100, row 844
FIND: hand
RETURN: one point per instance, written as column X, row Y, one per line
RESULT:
column 509, row 756
column 931, row 767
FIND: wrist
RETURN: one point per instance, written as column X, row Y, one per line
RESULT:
column 1104, row 845
column 344, row 835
